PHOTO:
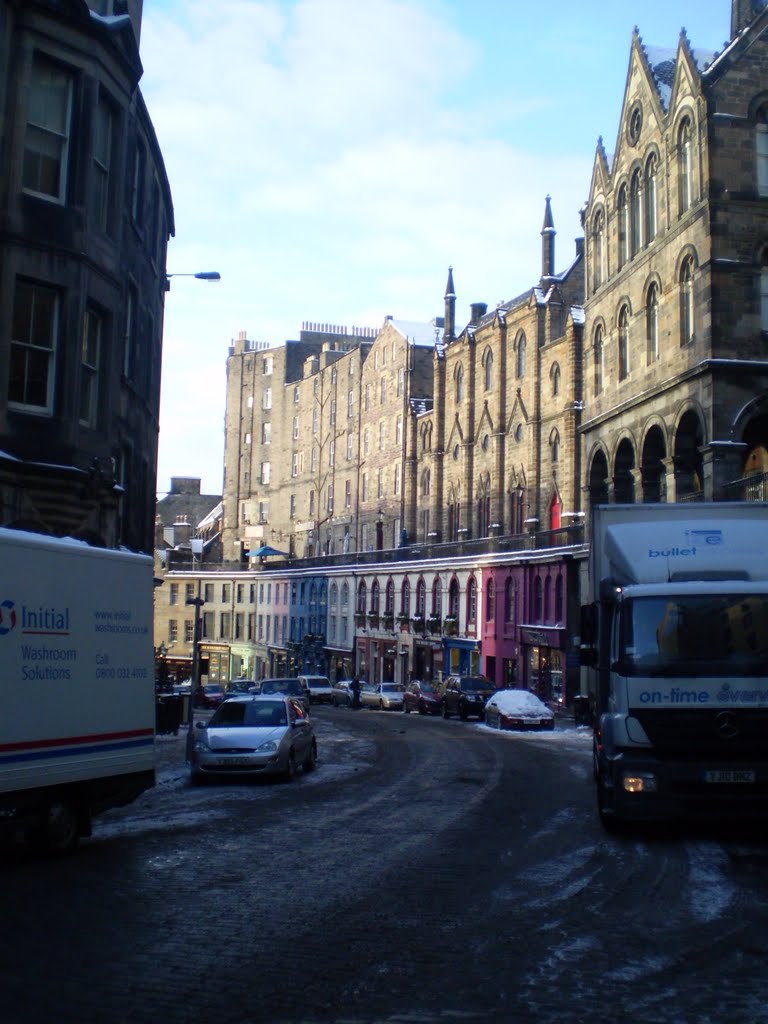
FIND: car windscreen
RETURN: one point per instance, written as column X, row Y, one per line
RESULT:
column 281, row 686
column 392, row 688
column 695, row 634
column 262, row 713
column 475, row 685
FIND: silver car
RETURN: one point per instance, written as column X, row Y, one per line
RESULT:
column 254, row 735
column 384, row 696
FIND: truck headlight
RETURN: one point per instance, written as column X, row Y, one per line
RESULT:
column 645, row 783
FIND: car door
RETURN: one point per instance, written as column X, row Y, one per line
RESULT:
column 301, row 729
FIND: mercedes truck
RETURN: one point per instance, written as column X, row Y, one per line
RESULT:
column 674, row 646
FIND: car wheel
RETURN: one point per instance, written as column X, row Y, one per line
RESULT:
column 463, row 712
column 197, row 778
column 59, row 831
column 406, row 709
column 310, row 761
column 290, row 767
column 446, row 712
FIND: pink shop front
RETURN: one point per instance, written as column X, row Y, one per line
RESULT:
column 542, row 658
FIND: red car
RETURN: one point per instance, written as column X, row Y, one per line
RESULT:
column 423, row 697
column 209, row 696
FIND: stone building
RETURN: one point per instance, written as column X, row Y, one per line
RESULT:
column 498, row 452
column 85, row 216
column 675, row 368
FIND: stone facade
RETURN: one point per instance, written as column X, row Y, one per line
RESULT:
column 677, row 221
column 85, row 216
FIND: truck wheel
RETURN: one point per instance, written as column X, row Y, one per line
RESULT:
column 59, row 831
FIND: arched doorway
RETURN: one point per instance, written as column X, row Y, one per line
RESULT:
column 623, row 480
column 689, row 465
column 598, row 480
column 652, row 465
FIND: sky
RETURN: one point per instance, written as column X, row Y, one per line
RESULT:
column 331, row 159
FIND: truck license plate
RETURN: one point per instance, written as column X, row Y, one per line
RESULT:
column 729, row 775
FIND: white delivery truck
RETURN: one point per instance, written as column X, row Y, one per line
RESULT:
column 674, row 640
column 77, row 711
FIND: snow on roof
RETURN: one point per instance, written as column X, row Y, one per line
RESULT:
column 663, row 61
column 420, row 334
column 421, row 405
column 113, row 22
column 577, row 314
column 212, row 516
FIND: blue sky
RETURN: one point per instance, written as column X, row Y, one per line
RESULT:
column 331, row 159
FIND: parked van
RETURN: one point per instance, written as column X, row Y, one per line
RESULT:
column 319, row 687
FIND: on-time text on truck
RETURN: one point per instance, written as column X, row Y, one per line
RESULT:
column 675, row 642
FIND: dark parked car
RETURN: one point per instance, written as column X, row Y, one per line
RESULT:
column 209, row 696
column 289, row 687
column 466, row 695
column 422, row 696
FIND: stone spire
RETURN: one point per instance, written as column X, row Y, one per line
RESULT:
column 548, row 242
column 449, row 330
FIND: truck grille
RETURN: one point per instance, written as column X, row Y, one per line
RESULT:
column 716, row 734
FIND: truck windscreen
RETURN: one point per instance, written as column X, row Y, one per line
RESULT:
column 701, row 635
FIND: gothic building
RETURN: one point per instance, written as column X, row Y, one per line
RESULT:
column 85, row 216
column 675, row 369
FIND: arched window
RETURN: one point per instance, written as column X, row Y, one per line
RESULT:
column 559, row 599
column 375, row 597
column 471, row 600
column 459, row 379
column 623, row 343
column 651, row 198
column 405, row 598
column 437, row 597
column 635, row 214
column 652, row 324
column 554, row 446
column 334, row 594
column 537, row 599
column 686, row 302
column 764, row 292
column 509, row 600
column 426, row 483
column 421, row 599
column 598, row 359
column 345, row 595
column 490, row 601
column 598, row 248
column 554, row 375
column 761, row 150
column 361, row 597
column 453, row 598
column 488, row 369
column 547, row 598
column 484, row 507
column 685, row 165
column 520, row 354
column 621, row 209
column 389, row 598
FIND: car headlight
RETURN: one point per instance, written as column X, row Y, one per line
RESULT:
column 201, row 743
column 267, row 747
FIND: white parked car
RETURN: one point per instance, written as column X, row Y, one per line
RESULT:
column 518, row 709
column 254, row 735
column 319, row 687
column 384, row 696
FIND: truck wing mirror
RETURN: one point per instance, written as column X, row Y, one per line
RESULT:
column 589, row 635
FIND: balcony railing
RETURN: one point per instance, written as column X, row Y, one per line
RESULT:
column 751, row 488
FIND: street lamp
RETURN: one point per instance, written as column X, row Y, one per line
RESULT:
column 202, row 275
column 198, row 603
